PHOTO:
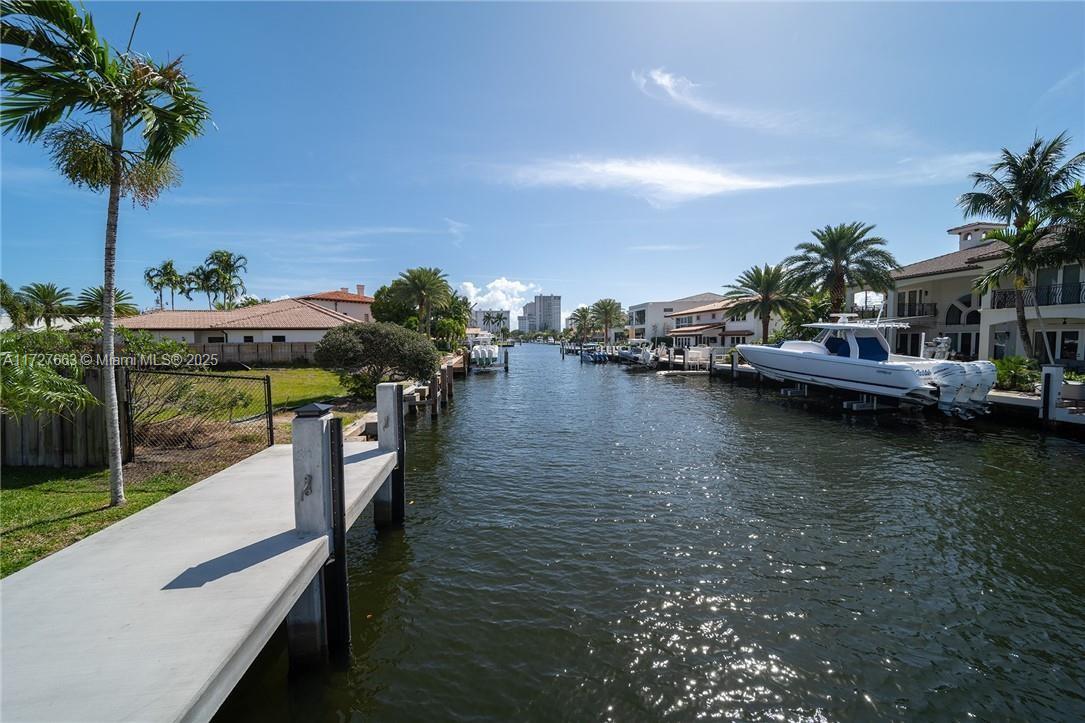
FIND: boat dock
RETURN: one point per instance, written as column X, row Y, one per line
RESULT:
column 158, row 616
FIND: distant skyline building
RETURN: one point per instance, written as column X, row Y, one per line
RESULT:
column 478, row 320
column 547, row 308
column 528, row 322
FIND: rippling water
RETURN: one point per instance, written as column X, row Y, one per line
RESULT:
column 584, row 543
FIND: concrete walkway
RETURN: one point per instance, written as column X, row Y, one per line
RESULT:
column 157, row 617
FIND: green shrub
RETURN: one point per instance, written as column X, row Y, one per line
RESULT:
column 367, row 354
column 1016, row 373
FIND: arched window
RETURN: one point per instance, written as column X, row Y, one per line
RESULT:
column 953, row 316
column 973, row 317
column 965, row 301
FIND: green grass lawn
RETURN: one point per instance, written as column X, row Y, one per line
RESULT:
column 43, row 510
column 297, row 386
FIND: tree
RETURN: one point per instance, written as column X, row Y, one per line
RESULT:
column 426, row 288
column 202, row 279
column 584, row 322
column 21, row 311
column 1070, row 220
column 764, row 291
column 607, row 313
column 1015, row 189
column 365, row 354
column 843, row 256
column 227, row 268
column 492, row 320
column 171, row 279
column 91, row 301
column 252, row 301
column 65, row 68
column 31, row 386
column 152, row 276
column 51, row 302
column 388, row 305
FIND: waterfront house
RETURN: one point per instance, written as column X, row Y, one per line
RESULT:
column 713, row 324
column 653, row 319
column 936, row 297
column 354, row 304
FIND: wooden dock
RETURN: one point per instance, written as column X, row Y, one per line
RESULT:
column 156, row 617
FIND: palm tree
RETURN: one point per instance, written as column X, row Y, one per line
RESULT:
column 764, row 291
column 583, row 322
column 152, row 276
column 67, row 68
column 1019, row 262
column 1016, row 189
column 91, row 301
column 491, row 319
column 21, row 311
column 228, row 267
column 425, row 288
column 50, row 301
column 171, row 279
column 607, row 313
column 202, row 279
column 843, row 256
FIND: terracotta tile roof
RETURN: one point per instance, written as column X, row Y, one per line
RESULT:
column 966, row 260
column 285, row 314
column 693, row 330
column 339, row 295
column 714, row 306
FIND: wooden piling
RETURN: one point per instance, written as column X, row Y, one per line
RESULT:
column 389, row 504
column 506, row 360
column 434, row 396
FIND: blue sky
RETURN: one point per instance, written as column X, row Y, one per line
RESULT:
column 635, row 151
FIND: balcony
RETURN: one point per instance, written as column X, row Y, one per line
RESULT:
column 1041, row 296
column 915, row 309
column 865, row 312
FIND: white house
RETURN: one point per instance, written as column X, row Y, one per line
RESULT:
column 714, row 325
column 355, row 305
column 936, row 297
column 289, row 320
column 651, row 319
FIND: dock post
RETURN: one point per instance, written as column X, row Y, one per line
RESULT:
column 389, row 504
column 306, row 623
column 711, row 363
column 1050, row 392
column 734, row 364
column 434, row 395
column 670, row 357
column 506, row 360
column 446, row 394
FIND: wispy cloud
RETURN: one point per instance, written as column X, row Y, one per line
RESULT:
column 501, row 293
column 1074, row 79
column 658, row 83
column 344, row 236
column 456, row 230
column 653, row 248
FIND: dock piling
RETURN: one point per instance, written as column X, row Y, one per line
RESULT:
column 389, row 504
column 506, row 360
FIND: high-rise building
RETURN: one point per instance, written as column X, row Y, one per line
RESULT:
column 528, row 321
column 478, row 320
column 547, row 310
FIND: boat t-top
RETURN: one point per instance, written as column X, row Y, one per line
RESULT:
column 484, row 353
column 853, row 355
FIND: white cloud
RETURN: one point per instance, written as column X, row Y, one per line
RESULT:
column 456, row 230
column 1071, row 80
column 501, row 293
column 684, row 92
column 660, row 181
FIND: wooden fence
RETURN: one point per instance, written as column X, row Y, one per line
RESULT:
column 73, row 439
column 267, row 352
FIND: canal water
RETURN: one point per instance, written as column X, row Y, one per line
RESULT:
column 585, row 543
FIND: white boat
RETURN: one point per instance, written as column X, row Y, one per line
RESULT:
column 854, row 355
column 632, row 351
column 484, row 354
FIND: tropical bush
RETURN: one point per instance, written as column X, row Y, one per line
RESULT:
column 30, row 383
column 364, row 355
column 1016, row 373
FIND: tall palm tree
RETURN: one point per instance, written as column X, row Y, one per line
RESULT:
column 51, row 302
column 1016, row 189
column 156, row 282
column 492, row 320
column 228, row 268
column 172, row 279
column 204, row 280
column 583, row 322
column 844, row 255
column 425, row 288
column 65, row 68
column 607, row 314
column 21, row 311
column 91, row 301
column 764, row 291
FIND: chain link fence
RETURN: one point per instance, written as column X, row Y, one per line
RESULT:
column 194, row 424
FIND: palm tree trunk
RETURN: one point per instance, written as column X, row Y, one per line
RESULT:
column 1022, row 323
column 1040, row 323
column 764, row 329
column 839, row 291
column 109, row 374
column 172, row 308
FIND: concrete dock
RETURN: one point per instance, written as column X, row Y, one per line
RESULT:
column 157, row 617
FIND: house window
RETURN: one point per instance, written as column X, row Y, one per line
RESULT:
column 1069, row 346
column 278, row 337
column 248, row 339
column 216, row 339
column 965, row 301
column 735, row 340
column 736, row 317
column 973, row 317
column 366, row 317
column 953, row 316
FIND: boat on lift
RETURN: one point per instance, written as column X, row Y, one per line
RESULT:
column 853, row 355
column 592, row 353
column 484, row 354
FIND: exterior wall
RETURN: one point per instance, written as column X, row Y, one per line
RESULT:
column 202, row 336
column 648, row 320
column 353, row 309
column 528, row 322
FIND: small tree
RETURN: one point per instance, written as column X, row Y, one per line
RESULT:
column 366, row 354
column 388, row 305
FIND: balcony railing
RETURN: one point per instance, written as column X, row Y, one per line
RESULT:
column 865, row 312
column 913, row 309
column 1041, row 295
